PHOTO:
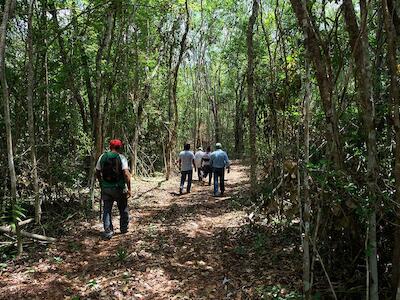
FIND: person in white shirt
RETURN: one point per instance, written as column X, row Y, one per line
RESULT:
column 186, row 164
column 197, row 159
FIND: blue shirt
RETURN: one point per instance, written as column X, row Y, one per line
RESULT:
column 219, row 159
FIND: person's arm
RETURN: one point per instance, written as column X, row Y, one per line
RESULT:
column 98, row 176
column 194, row 165
column 180, row 163
column 227, row 163
column 98, row 170
column 127, row 176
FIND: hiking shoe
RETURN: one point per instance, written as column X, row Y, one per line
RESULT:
column 108, row 234
column 180, row 191
column 123, row 231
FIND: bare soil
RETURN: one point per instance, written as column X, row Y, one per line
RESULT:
column 192, row 246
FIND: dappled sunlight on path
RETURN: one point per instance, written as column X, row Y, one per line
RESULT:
column 192, row 246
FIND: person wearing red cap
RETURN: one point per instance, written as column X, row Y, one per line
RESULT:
column 112, row 171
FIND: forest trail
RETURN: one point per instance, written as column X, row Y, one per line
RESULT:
column 192, row 246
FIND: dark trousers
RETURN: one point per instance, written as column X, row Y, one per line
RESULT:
column 109, row 195
column 219, row 175
column 200, row 173
column 189, row 175
column 208, row 172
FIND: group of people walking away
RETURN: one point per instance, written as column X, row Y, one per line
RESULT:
column 112, row 172
column 206, row 164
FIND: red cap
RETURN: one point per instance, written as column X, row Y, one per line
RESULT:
column 116, row 144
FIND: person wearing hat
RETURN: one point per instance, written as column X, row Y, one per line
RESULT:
column 197, row 159
column 112, row 171
column 219, row 161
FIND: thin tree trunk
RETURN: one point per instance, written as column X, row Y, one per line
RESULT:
column 395, row 100
column 324, row 79
column 168, row 152
column 135, row 142
column 70, row 82
column 239, row 117
column 31, row 121
column 307, row 203
column 8, row 9
column 100, row 99
column 47, row 93
column 174, row 126
column 214, row 106
column 250, row 97
column 88, row 84
column 359, row 45
column 139, row 110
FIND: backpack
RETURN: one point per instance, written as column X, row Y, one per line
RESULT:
column 111, row 168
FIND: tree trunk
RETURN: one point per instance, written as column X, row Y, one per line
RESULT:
column 88, row 84
column 47, row 94
column 70, row 82
column 359, row 46
column 31, row 121
column 307, row 203
column 8, row 9
column 173, row 128
column 239, row 118
column 250, row 97
column 324, row 79
column 214, row 107
column 139, row 109
column 395, row 100
column 139, row 114
column 98, row 134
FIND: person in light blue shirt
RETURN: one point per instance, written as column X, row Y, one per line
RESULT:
column 219, row 161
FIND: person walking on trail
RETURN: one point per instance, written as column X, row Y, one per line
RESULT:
column 206, row 165
column 197, row 159
column 219, row 160
column 186, row 165
column 112, row 171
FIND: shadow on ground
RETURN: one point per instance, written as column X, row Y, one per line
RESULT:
column 189, row 247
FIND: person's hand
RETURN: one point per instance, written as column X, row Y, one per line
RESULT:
column 129, row 193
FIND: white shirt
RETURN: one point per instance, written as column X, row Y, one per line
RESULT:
column 197, row 158
column 186, row 158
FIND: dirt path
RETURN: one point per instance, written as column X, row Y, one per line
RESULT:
column 192, row 246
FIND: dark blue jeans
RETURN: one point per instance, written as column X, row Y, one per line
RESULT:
column 189, row 175
column 208, row 172
column 219, row 174
column 109, row 195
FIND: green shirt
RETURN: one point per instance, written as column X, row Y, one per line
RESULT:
column 124, row 165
